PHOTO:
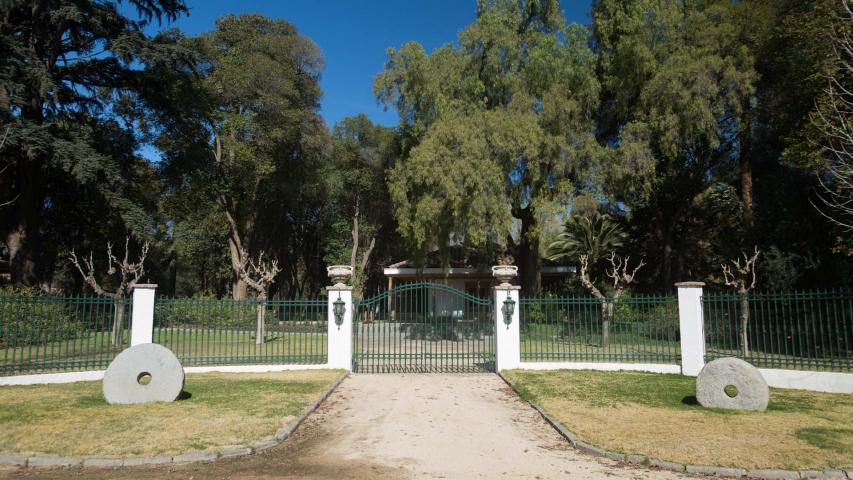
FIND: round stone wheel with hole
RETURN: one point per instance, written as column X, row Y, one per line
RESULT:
column 142, row 374
column 732, row 383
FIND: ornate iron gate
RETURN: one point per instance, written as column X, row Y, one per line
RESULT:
column 423, row 327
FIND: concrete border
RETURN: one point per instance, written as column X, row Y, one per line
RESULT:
column 603, row 366
column 830, row 382
column 644, row 460
column 281, row 435
column 92, row 375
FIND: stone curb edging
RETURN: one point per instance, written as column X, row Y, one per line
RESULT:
column 257, row 447
column 730, row 472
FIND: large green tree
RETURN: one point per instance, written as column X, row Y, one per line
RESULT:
column 497, row 131
column 250, row 138
column 73, row 78
column 675, row 82
column 358, row 211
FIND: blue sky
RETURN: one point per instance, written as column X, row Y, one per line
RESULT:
column 354, row 35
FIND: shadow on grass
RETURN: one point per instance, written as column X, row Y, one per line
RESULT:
column 690, row 400
column 185, row 395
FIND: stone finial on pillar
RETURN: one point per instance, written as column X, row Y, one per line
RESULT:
column 692, row 327
column 507, row 318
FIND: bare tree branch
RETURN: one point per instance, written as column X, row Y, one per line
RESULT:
column 835, row 196
column 130, row 272
column 259, row 274
column 585, row 280
column 742, row 277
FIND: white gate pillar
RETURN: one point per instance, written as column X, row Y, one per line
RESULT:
column 507, row 335
column 142, row 318
column 692, row 327
column 340, row 335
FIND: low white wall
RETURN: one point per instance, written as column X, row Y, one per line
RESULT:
column 608, row 367
column 93, row 375
column 832, row 382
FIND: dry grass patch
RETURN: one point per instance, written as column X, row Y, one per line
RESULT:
column 217, row 410
column 657, row 416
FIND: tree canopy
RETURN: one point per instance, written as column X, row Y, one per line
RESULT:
column 678, row 134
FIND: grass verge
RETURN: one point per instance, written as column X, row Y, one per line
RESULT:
column 657, row 415
column 216, row 411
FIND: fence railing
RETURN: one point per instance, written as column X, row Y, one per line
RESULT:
column 634, row 330
column 791, row 330
column 43, row 333
column 234, row 332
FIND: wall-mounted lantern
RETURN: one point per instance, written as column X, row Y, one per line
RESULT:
column 339, row 308
column 508, row 309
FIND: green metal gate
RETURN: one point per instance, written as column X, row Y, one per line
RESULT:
column 423, row 327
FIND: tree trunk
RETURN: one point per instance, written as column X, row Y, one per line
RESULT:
column 745, row 167
column 238, row 288
column 529, row 264
column 260, row 329
column 606, row 315
column 173, row 274
column 238, row 285
column 663, row 234
column 118, row 322
column 22, row 237
column 744, row 323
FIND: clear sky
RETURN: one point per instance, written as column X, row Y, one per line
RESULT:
column 354, row 35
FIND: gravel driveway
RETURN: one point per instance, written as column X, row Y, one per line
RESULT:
column 402, row 427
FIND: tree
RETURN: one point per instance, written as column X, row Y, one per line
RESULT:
column 259, row 275
column 742, row 278
column 836, row 124
column 250, row 131
column 359, row 204
column 591, row 235
column 618, row 272
column 675, row 80
column 129, row 274
column 73, row 76
column 497, row 129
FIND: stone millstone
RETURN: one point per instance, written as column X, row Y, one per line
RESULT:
column 121, row 380
column 752, row 390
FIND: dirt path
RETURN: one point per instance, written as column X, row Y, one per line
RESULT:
column 404, row 427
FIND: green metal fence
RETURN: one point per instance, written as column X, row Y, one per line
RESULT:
column 242, row 332
column 808, row 330
column 44, row 333
column 639, row 329
column 423, row 327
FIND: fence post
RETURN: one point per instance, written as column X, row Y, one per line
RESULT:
column 692, row 326
column 507, row 335
column 142, row 318
column 340, row 330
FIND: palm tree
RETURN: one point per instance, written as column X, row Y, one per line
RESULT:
column 594, row 235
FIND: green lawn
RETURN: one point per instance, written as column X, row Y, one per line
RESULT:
column 219, row 410
column 207, row 347
column 657, row 415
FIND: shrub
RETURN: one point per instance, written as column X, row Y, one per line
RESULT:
column 205, row 312
column 28, row 317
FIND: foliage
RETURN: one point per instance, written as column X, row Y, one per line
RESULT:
column 206, row 311
column 358, row 212
column 595, row 236
column 250, row 137
column 29, row 318
column 495, row 129
column 700, row 127
column 74, row 79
